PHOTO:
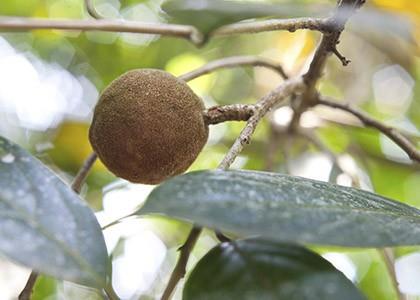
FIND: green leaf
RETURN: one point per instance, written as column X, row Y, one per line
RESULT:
column 286, row 208
column 44, row 225
column 207, row 15
column 375, row 281
column 49, row 288
column 256, row 269
column 44, row 288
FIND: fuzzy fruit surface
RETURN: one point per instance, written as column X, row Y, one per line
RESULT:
column 148, row 126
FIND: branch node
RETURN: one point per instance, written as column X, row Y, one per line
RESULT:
column 197, row 38
column 180, row 268
column 233, row 112
column 245, row 140
column 341, row 57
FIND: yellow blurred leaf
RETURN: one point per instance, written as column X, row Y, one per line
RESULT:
column 295, row 49
column 72, row 147
column 404, row 6
column 409, row 8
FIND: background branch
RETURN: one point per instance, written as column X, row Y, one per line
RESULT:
column 354, row 122
column 182, row 31
column 273, row 25
column 266, row 103
column 180, row 268
column 234, row 112
column 235, row 61
column 83, row 172
column 368, row 121
column 388, row 257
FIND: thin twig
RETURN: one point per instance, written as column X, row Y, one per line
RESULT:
column 291, row 25
column 368, row 121
column 27, row 290
column 354, row 122
column 272, row 146
column 76, row 187
column 190, row 32
column 388, row 257
column 263, row 106
column 235, row 61
column 181, row 31
column 233, row 112
column 180, row 268
column 327, row 46
column 83, row 172
column 90, row 7
column 117, row 221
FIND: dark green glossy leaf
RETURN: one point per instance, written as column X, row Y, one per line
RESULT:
column 287, row 208
column 44, row 225
column 255, row 269
column 207, row 15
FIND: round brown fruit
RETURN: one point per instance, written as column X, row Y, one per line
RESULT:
column 148, row 126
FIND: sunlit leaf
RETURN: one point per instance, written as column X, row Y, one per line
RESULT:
column 256, row 269
column 287, row 208
column 43, row 223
